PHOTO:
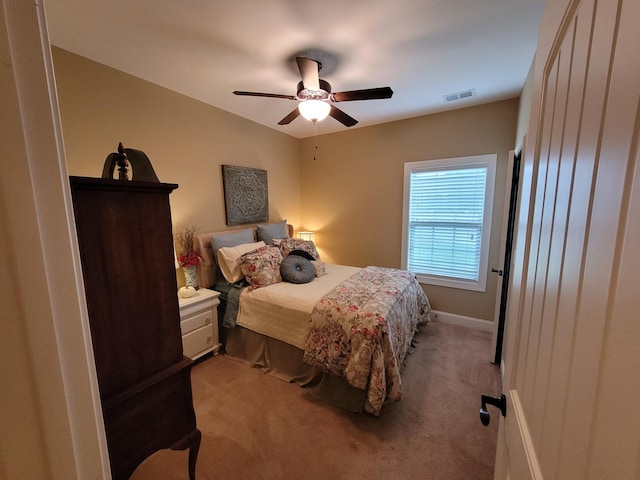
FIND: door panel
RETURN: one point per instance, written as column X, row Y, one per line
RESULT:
column 572, row 344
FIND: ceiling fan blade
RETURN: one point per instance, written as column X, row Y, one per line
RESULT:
column 309, row 71
column 366, row 94
column 342, row 117
column 270, row 95
column 290, row 118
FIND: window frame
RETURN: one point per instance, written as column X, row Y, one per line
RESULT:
column 488, row 161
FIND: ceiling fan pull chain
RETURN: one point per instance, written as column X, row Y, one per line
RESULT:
column 315, row 127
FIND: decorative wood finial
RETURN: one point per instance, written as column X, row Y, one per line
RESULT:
column 122, row 162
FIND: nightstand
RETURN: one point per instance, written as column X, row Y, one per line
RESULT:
column 199, row 323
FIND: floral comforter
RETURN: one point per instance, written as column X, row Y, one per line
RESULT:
column 362, row 330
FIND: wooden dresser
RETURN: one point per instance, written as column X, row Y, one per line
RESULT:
column 126, row 248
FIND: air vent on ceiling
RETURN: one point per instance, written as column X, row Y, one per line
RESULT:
column 452, row 97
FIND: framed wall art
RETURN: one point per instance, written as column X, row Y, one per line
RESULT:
column 246, row 194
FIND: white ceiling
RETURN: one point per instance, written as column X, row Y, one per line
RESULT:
column 206, row 49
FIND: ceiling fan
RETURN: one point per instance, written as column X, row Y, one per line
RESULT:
column 316, row 98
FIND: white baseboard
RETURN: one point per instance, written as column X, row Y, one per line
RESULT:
column 461, row 320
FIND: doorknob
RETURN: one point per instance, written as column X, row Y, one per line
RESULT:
column 500, row 402
column 495, row 270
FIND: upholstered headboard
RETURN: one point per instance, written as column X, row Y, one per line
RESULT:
column 209, row 270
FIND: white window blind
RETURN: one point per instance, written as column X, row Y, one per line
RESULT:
column 446, row 215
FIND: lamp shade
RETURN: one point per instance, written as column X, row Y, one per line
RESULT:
column 314, row 110
column 309, row 236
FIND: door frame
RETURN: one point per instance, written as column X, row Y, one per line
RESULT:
column 506, row 247
column 52, row 370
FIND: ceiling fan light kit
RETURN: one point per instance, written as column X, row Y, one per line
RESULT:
column 314, row 110
column 315, row 97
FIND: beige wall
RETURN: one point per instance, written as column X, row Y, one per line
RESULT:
column 524, row 109
column 186, row 140
column 353, row 192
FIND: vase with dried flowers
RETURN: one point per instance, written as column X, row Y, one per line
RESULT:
column 188, row 259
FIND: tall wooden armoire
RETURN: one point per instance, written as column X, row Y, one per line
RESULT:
column 126, row 248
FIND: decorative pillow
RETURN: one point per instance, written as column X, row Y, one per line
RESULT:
column 290, row 244
column 261, row 267
column 319, row 268
column 232, row 239
column 303, row 254
column 227, row 257
column 268, row 232
column 297, row 269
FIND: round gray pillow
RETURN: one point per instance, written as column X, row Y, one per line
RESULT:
column 297, row 269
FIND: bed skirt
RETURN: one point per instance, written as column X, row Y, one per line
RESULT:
column 284, row 361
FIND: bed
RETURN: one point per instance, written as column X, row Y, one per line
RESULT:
column 344, row 334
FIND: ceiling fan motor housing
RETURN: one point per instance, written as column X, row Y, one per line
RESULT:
column 322, row 94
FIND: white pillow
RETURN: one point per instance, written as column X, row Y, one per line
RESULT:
column 227, row 257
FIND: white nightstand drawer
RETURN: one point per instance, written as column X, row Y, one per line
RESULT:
column 198, row 341
column 196, row 321
column 199, row 323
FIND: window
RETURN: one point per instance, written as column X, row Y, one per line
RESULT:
column 447, row 220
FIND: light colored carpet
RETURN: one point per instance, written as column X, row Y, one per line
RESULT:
column 257, row 427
